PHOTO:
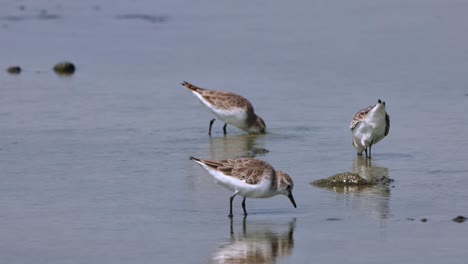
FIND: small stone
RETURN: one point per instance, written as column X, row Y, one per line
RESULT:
column 14, row 70
column 333, row 219
column 423, row 220
column 64, row 68
column 459, row 219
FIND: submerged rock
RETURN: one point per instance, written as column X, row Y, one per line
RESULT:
column 333, row 219
column 350, row 179
column 64, row 68
column 349, row 183
column 340, row 179
column 460, row 219
column 14, row 70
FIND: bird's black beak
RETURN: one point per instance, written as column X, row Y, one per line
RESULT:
column 291, row 198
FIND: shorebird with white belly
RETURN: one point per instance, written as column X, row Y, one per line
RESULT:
column 369, row 126
column 248, row 177
column 229, row 107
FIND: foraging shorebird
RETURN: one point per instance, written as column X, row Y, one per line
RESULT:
column 231, row 108
column 248, row 177
column 369, row 126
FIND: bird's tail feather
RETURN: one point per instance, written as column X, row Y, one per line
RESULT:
column 191, row 86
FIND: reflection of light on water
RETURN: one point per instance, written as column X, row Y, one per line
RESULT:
column 229, row 147
column 257, row 243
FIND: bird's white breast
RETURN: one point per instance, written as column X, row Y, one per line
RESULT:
column 235, row 116
column 259, row 190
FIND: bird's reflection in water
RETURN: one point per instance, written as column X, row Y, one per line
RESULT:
column 257, row 243
column 371, row 200
column 364, row 168
column 229, row 147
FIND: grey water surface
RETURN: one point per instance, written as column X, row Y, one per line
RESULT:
column 94, row 167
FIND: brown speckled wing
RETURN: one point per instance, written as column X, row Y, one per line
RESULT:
column 225, row 100
column 250, row 170
column 360, row 116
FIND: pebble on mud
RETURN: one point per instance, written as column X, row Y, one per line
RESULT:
column 64, row 68
column 14, row 70
column 460, row 219
column 423, row 220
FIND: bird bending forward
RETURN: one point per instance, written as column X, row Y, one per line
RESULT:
column 231, row 108
column 248, row 177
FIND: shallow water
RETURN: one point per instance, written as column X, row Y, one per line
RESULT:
column 94, row 167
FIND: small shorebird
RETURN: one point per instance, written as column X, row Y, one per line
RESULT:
column 369, row 126
column 231, row 108
column 249, row 178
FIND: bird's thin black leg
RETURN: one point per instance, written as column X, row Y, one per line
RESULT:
column 224, row 128
column 211, row 124
column 366, row 152
column 370, row 150
column 230, row 204
column 244, row 226
column 231, row 229
column 243, row 206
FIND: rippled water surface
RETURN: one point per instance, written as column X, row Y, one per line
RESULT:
column 94, row 167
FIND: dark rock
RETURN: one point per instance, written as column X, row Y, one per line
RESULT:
column 349, row 179
column 14, row 70
column 340, row 179
column 333, row 219
column 423, row 220
column 64, row 68
column 460, row 219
